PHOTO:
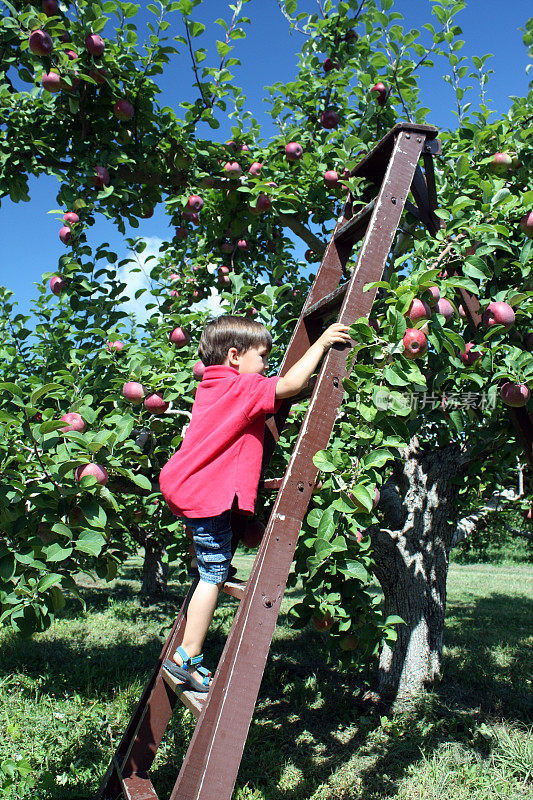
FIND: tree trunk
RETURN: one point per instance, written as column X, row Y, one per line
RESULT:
column 155, row 569
column 412, row 566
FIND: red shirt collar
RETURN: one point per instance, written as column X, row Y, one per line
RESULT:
column 220, row 371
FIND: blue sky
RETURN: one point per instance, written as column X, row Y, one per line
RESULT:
column 29, row 236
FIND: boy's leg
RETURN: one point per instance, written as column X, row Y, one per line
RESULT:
column 199, row 615
column 212, row 542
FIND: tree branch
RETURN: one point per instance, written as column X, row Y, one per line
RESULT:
column 304, row 233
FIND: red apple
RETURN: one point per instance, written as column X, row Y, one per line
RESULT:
column 72, row 56
column 100, row 178
column 374, row 323
column 263, row 202
column 445, row 308
column 309, row 256
column 501, row 163
column 123, row 109
column 351, row 35
column 253, row 533
column 469, row 356
column 191, row 216
column 498, row 313
column 331, row 178
column 223, row 275
column 174, row 276
column 207, row 182
column 432, row 294
column 95, row 44
column 50, row 7
column 174, row 293
column 155, row 403
column 515, row 395
column 117, row 346
column 255, row 169
column 99, row 75
column 133, row 391
column 227, row 247
column 462, row 312
column 64, row 234
column 181, row 233
column 418, row 309
column 329, row 118
column 99, row 472
column 528, row 514
column 195, row 203
column 71, row 218
column 323, row 623
column 526, row 223
column 328, row 65
column 381, row 89
column 242, row 244
column 293, row 151
column 179, row 337
column 40, row 43
column 244, row 148
column 64, row 37
column 415, row 343
column 232, row 169
column 57, row 284
column 52, row 82
column 75, row 422
column 198, row 370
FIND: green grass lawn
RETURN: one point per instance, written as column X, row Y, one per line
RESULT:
column 66, row 696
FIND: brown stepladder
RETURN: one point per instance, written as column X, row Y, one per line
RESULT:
column 212, row 761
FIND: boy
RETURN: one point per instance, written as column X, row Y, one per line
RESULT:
column 218, row 465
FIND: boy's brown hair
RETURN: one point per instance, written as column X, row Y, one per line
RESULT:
column 230, row 331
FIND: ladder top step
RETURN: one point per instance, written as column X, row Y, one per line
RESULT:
column 194, row 701
column 137, row 787
column 374, row 165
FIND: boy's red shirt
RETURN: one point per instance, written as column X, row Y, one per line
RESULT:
column 221, row 453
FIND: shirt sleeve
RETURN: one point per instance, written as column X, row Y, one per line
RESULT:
column 258, row 394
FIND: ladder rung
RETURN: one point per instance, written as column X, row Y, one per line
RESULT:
column 234, row 588
column 194, row 701
column 137, row 787
column 326, row 303
column 354, row 230
column 271, row 484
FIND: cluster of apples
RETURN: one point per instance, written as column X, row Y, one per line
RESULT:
column 496, row 313
column 41, row 44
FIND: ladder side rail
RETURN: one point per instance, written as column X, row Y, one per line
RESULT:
column 212, row 761
column 327, row 279
column 110, row 786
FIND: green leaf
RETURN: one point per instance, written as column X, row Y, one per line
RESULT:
column 48, row 580
column 462, row 166
column 223, row 49
column 326, row 526
column 394, row 619
column 323, row 461
column 57, row 553
column 90, row 542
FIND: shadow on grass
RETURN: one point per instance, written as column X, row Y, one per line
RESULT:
column 307, row 724
column 488, row 660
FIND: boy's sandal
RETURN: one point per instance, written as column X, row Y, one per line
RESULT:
column 183, row 675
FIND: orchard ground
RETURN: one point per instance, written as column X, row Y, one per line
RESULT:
column 67, row 696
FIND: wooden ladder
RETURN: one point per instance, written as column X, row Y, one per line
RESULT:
column 224, row 714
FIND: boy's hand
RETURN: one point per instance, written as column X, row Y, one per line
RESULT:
column 335, row 334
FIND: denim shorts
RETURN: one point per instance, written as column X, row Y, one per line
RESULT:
column 212, row 542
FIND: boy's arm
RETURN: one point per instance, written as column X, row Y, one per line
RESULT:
column 298, row 375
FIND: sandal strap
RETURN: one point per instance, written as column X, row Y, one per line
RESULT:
column 204, row 672
column 187, row 660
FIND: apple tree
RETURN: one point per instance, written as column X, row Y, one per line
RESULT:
column 79, row 86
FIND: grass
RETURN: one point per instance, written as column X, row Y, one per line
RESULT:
column 66, row 696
